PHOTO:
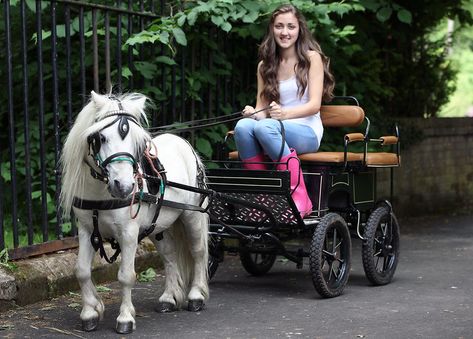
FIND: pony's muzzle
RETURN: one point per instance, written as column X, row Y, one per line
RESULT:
column 119, row 189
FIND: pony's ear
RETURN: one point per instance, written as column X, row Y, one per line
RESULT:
column 99, row 100
column 141, row 102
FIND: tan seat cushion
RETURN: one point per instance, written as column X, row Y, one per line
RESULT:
column 382, row 159
column 331, row 157
column 372, row 159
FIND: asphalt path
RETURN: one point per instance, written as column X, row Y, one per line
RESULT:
column 431, row 296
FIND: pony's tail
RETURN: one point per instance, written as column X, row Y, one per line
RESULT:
column 185, row 262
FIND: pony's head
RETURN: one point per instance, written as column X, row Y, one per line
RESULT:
column 108, row 137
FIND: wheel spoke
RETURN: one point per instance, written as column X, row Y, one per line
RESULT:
column 377, row 262
column 335, row 273
column 334, row 239
column 330, row 273
column 338, row 245
column 385, row 263
column 384, row 228
column 326, row 253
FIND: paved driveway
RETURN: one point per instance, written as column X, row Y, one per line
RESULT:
column 430, row 297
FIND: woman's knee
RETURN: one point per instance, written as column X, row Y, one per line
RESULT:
column 244, row 126
column 267, row 127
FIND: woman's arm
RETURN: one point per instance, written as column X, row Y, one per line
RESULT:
column 315, row 87
column 260, row 102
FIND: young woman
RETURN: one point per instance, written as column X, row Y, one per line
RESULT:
column 293, row 78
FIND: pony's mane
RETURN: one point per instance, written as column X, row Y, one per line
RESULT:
column 90, row 120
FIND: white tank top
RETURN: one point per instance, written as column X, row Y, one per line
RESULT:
column 290, row 98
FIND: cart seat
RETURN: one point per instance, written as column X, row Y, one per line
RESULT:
column 378, row 159
column 347, row 116
column 323, row 157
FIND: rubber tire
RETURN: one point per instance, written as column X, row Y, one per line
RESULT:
column 257, row 268
column 213, row 266
column 216, row 255
column 377, row 217
column 324, row 285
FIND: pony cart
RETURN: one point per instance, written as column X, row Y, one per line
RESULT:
column 123, row 185
column 254, row 215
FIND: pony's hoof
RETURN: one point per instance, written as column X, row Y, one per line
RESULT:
column 90, row 324
column 124, row 328
column 165, row 307
column 195, row 305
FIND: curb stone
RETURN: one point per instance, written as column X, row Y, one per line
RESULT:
column 52, row 275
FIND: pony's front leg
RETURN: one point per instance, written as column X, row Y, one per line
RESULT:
column 92, row 305
column 127, row 278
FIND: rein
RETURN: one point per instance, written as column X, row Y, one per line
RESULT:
column 202, row 123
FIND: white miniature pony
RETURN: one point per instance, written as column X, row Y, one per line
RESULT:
column 102, row 181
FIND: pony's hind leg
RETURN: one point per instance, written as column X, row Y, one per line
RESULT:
column 127, row 278
column 196, row 225
column 92, row 305
column 174, row 287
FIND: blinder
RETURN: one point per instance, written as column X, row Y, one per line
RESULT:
column 95, row 142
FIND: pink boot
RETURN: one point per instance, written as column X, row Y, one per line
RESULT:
column 299, row 192
column 254, row 163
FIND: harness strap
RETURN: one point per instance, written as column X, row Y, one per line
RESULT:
column 97, row 241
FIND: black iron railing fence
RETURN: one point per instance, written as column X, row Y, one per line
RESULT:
column 53, row 54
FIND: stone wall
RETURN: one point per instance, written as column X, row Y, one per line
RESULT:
column 436, row 175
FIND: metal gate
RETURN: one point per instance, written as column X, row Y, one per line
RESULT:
column 54, row 53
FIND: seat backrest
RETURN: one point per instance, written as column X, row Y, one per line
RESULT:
column 341, row 115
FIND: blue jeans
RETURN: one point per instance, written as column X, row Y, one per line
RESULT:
column 253, row 137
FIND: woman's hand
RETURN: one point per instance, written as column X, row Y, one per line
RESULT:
column 276, row 112
column 248, row 111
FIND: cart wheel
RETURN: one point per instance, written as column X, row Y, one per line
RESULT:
column 216, row 254
column 380, row 249
column 213, row 265
column 257, row 263
column 330, row 256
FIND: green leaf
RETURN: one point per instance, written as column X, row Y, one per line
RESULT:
column 35, row 194
column 227, row 27
column 60, row 31
column 5, row 171
column 217, row 20
column 147, row 69
column 147, row 276
column 44, row 36
column 192, row 17
column 404, row 16
column 165, row 60
column 66, row 227
column 126, row 73
column 103, row 289
column 384, row 13
column 250, row 17
column 180, row 36
column 181, row 20
column 371, row 4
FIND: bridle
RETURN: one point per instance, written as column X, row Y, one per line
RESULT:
column 95, row 143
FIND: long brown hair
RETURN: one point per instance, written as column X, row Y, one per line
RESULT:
column 269, row 55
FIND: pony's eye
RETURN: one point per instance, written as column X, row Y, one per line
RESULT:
column 102, row 139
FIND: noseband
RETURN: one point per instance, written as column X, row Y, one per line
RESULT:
column 95, row 143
